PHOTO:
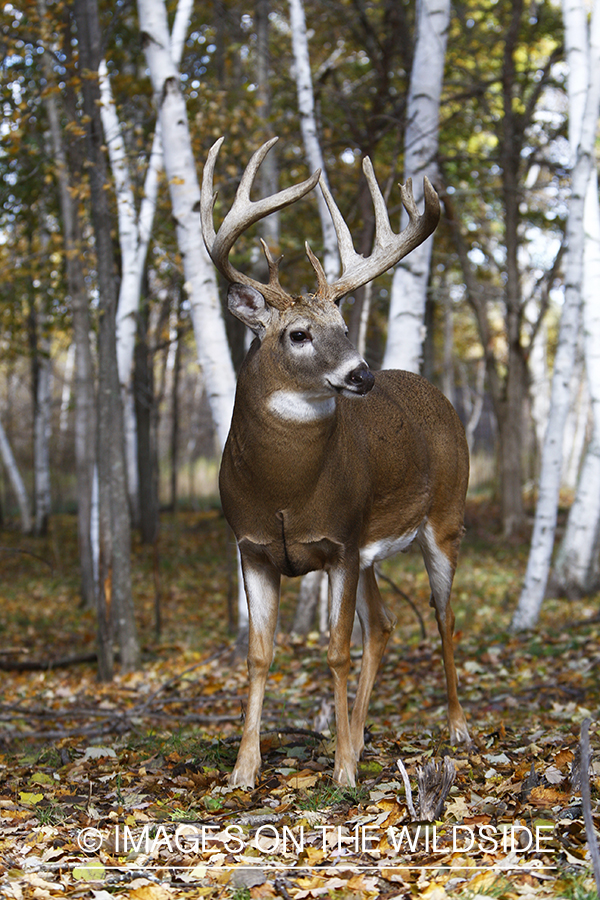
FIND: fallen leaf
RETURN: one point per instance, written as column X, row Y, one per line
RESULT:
column 92, row 870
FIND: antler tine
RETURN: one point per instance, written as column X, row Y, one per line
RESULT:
column 388, row 247
column 244, row 213
column 348, row 254
column 383, row 230
column 208, row 196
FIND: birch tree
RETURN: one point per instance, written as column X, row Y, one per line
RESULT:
column 583, row 140
column 268, row 176
column 135, row 229
column 180, row 168
column 200, row 280
column 406, row 330
column 14, row 475
column 309, row 129
column 577, row 569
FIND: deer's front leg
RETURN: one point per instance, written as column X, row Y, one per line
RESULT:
column 343, row 583
column 261, row 581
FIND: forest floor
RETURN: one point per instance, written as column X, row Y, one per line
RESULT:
column 120, row 790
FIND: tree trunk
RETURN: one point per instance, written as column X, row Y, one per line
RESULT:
column 147, row 458
column 41, row 435
column 509, row 415
column 134, row 235
column 175, row 406
column 409, row 284
column 84, row 375
column 310, row 134
column 180, row 167
column 577, row 569
column 268, row 175
column 542, row 541
column 114, row 601
column 16, row 481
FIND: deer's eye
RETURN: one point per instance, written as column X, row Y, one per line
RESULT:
column 299, row 337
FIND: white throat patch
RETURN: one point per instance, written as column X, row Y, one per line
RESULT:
column 296, row 406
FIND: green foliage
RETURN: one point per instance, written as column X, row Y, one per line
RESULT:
column 331, row 795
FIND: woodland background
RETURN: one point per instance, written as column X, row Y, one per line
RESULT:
column 117, row 360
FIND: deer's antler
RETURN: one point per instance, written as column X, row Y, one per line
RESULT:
column 242, row 214
column 388, row 247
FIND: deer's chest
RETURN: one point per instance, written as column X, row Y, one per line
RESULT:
column 302, row 537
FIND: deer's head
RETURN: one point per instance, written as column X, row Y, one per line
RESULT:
column 306, row 335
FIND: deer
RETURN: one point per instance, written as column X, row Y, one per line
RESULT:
column 329, row 465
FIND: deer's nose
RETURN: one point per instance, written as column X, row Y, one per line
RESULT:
column 361, row 379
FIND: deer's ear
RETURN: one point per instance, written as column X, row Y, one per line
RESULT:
column 249, row 305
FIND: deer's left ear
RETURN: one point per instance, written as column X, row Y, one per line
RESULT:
column 249, row 305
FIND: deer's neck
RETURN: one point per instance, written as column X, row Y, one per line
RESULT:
column 299, row 408
column 281, row 436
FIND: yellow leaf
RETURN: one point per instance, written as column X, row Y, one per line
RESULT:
column 92, row 870
column 482, row 881
column 28, row 797
column 303, row 779
column 42, row 778
column 150, row 892
column 433, row 892
column 314, row 855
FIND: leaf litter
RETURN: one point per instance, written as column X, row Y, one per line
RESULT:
column 121, row 790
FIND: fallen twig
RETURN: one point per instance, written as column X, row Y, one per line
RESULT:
column 404, row 596
column 27, row 553
column 586, row 802
column 40, row 665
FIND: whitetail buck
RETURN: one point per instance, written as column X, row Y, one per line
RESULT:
column 329, row 465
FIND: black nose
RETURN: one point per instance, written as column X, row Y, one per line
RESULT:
column 360, row 379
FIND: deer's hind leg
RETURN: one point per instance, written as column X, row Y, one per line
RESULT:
column 441, row 555
column 376, row 624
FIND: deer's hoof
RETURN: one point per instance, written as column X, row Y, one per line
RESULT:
column 345, row 774
column 459, row 733
column 244, row 775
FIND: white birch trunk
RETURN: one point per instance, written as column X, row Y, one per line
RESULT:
column 538, row 567
column 180, row 167
column 540, row 380
column 577, row 565
column 16, row 481
column 576, row 426
column 310, row 135
column 134, row 235
column 406, row 323
column 65, row 400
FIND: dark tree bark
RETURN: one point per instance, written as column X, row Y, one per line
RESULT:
column 114, row 601
column 84, row 371
column 145, row 414
column 175, row 409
